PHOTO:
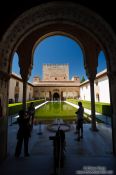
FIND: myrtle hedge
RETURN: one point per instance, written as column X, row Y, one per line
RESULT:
column 103, row 108
column 16, row 107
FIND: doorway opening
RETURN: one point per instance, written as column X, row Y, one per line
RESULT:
column 56, row 97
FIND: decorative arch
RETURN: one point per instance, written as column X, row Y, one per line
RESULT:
column 64, row 12
column 100, row 59
column 58, row 33
column 56, row 96
column 15, row 56
column 61, row 13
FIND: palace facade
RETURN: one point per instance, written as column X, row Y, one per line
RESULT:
column 55, row 85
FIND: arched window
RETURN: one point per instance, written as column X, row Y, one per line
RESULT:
column 97, row 97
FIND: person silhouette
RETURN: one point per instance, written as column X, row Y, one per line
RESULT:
column 79, row 123
column 31, row 112
column 23, row 133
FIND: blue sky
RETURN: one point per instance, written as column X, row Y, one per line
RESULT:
column 59, row 50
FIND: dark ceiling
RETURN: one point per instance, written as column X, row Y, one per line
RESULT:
column 10, row 10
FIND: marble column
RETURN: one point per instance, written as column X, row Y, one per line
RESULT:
column 91, row 63
column 26, row 65
column 66, row 95
column 112, row 84
column 45, row 96
column 93, row 115
column 24, row 94
column 4, row 81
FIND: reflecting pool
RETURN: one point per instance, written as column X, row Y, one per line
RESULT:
column 52, row 110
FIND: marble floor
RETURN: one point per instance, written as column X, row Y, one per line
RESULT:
column 93, row 154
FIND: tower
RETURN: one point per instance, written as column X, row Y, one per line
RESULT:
column 55, row 72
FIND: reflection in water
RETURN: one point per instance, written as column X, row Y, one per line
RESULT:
column 58, row 106
column 56, row 109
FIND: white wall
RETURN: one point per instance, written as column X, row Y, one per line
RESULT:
column 20, row 91
column 29, row 91
column 12, row 84
column 104, row 94
column 85, row 92
column 102, row 88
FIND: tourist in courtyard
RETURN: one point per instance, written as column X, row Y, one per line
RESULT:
column 31, row 112
column 23, row 133
column 79, row 122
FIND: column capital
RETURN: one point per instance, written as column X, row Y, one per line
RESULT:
column 24, row 76
column 92, row 50
column 91, row 74
column 4, row 75
column 25, row 71
column 112, row 75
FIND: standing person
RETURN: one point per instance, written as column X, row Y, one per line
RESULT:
column 23, row 133
column 31, row 112
column 79, row 126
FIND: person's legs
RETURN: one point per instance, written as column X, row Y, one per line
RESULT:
column 78, row 134
column 32, row 120
column 81, row 131
column 26, row 140
column 18, row 147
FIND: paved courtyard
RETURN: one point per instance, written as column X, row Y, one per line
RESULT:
column 93, row 153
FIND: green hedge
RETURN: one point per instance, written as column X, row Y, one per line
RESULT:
column 16, row 107
column 103, row 108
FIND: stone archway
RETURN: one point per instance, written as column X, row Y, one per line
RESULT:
column 50, row 13
column 42, row 16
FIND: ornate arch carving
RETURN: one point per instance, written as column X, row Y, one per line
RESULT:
column 65, row 12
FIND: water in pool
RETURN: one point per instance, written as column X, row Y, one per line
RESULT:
column 52, row 110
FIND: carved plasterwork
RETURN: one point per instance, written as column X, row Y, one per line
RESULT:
column 58, row 12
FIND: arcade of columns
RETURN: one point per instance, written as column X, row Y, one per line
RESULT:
column 67, row 19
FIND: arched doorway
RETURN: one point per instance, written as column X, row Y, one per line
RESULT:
column 49, row 19
column 56, row 97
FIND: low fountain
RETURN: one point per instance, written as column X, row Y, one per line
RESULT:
column 58, row 123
